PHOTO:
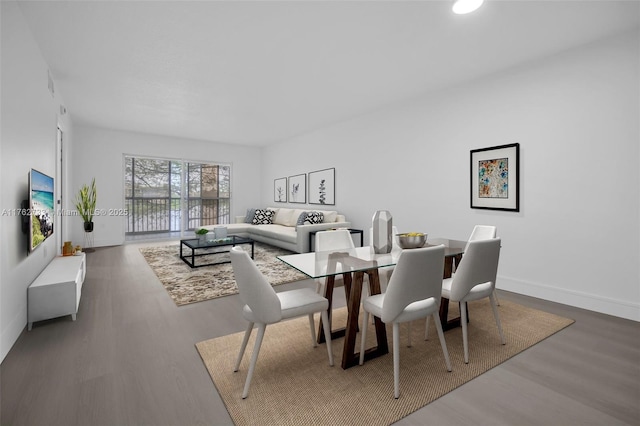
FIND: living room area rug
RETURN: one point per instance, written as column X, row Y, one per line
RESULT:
column 293, row 383
column 189, row 285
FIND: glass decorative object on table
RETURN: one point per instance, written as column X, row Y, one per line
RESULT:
column 382, row 235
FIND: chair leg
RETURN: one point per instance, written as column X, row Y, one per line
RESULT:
column 495, row 294
column 254, row 358
column 327, row 336
column 426, row 328
column 312, row 325
column 243, row 347
column 409, row 334
column 363, row 335
column 465, row 338
column 443, row 342
column 493, row 301
column 396, row 360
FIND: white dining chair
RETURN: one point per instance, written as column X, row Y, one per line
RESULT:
column 264, row 306
column 413, row 293
column 484, row 232
column 474, row 279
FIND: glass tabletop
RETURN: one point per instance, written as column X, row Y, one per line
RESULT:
column 227, row 241
column 326, row 263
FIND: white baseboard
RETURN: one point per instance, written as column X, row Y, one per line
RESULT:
column 12, row 331
column 610, row 306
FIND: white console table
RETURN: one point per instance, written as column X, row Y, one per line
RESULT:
column 56, row 291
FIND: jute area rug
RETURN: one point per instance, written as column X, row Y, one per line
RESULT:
column 189, row 285
column 293, row 383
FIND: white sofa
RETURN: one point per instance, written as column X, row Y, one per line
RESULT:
column 284, row 231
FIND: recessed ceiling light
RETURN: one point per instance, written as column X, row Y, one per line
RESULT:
column 461, row 7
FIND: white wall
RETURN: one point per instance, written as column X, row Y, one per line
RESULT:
column 29, row 117
column 29, row 120
column 576, row 117
column 99, row 153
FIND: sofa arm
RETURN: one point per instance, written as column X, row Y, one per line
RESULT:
column 304, row 230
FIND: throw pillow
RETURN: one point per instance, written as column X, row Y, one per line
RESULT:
column 249, row 216
column 313, row 218
column 301, row 218
column 263, row 217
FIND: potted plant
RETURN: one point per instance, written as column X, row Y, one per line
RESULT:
column 86, row 204
column 202, row 234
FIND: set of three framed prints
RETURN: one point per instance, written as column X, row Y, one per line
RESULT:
column 321, row 186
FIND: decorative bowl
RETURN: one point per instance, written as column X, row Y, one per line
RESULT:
column 411, row 240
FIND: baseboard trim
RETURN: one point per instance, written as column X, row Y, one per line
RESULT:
column 12, row 332
column 592, row 302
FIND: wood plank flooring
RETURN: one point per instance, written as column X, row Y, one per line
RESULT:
column 130, row 359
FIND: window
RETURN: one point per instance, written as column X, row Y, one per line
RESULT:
column 154, row 190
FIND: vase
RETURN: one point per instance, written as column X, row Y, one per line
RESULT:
column 382, row 226
column 88, row 227
column 67, row 249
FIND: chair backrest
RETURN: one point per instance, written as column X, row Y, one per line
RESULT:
column 417, row 276
column 394, row 230
column 479, row 265
column 255, row 290
column 334, row 240
column 483, row 232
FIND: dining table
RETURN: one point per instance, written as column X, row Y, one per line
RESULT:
column 353, row 264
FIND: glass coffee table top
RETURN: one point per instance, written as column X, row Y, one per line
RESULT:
column 208, row 251
column 194, row 243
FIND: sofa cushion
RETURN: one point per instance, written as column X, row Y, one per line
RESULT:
column 313, row 218
column 249, row 216
column 295, row 217
column 330, row 216
column 263, row 217
column 283, row 216
column 276, row 232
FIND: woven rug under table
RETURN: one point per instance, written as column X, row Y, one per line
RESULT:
column 293, row 383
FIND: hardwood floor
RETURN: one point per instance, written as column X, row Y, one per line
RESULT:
column 130, row 359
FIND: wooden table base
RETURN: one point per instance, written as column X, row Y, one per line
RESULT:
column 353, row 290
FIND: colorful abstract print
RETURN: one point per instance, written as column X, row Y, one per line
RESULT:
column 493, row 178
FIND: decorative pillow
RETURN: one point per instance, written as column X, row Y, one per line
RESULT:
column 313, row 217
column 263, row 217
column 330, row 216
column 250, row 214
column 301, row 218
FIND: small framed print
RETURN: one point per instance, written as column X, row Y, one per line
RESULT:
column 495, row 180
column 280, row 190
column 322, row 187
column 298, row 189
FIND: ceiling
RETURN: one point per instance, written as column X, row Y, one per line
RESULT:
column 258, row 72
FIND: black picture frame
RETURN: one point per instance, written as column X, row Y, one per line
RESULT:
column 495, row 178
column 322, row 187
column 297, row 189
column 280, row 190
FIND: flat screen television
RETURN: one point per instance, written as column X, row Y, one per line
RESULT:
column 41, row 208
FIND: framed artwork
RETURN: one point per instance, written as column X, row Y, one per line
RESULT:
column 495, row 181
column 298, row 189
column 280, row 190
column 322, row 187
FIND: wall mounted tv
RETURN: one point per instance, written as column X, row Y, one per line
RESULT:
column 41, row 208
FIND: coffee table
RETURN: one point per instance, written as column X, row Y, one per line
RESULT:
column 208, row 248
